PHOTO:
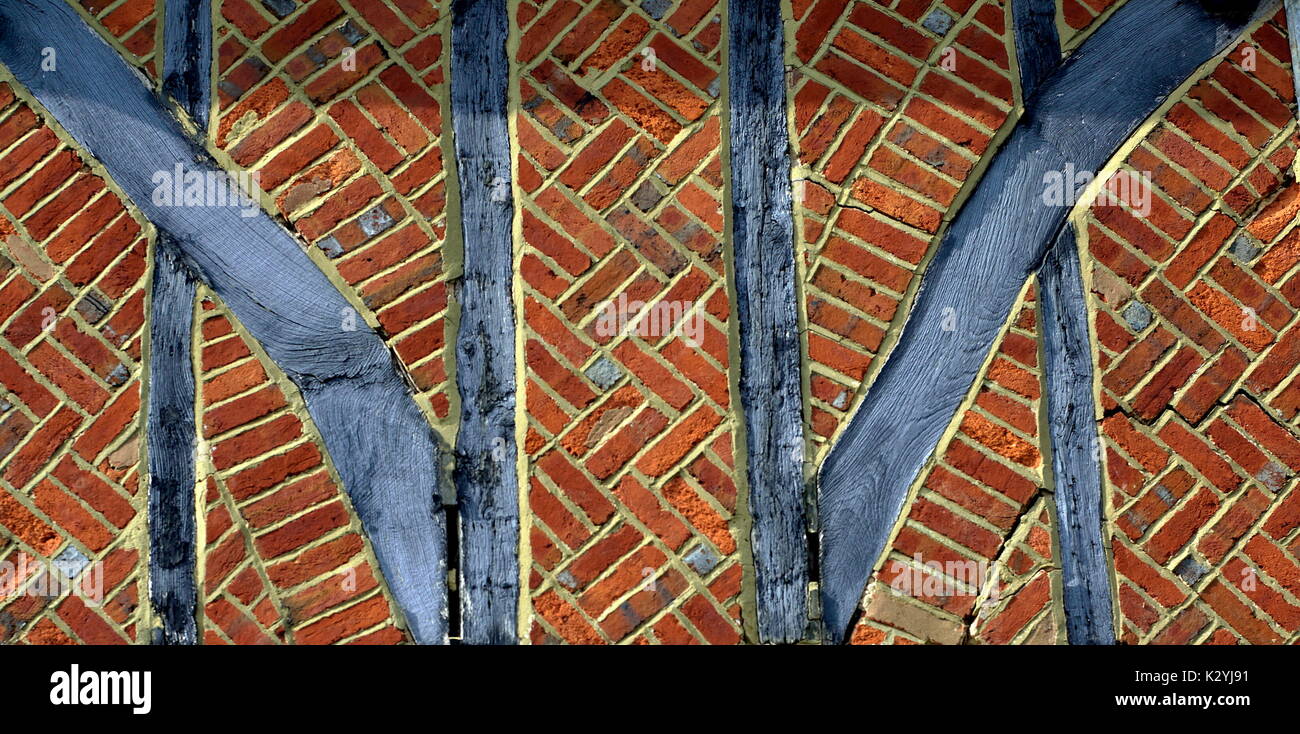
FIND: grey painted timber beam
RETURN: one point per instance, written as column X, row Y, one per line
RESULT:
column 486, row 472
column 1071, row 410
column 353, row 386
column 187, row 56
column 1079, row 117
column 1038, row 46
column 172, row 551
column 172, row 546
column 1076, row 465
column 770, row 351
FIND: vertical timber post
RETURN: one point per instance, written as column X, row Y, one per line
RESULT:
column 486, row 477
column 1038, row 46
column 172, row 551
column 1293, row 38
column 187, row 57
column 1071, row 409
column 1076, row 458
column 173, row 554
column 1078, row 116
column 770, row 377
column 353, row 388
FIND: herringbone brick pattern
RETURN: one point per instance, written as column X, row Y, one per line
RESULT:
column 974, row 552
column 338, row 106
column 283, row 557
column 72, row 275
column 1196, row 307
column 630, row 432
column 895, row 103
column 634, row 517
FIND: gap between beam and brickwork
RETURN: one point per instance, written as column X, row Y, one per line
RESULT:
column 486, row 473
column 766, row 305
column 1080, row 115
column 354, row 390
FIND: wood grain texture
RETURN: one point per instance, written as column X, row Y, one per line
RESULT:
column 172, row 543
column 172, row 554
column 486, row 477
column 1080, row 115
column 354, row 390
column 1038, row 46
column 1076, row 466
column 187, row 56
column 1071, row 409
column 770, row 382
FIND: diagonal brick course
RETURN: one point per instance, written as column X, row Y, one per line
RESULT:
column 1194, row 311
column 72, row 284
column 283, row 558
column 339, row 107
column 636, row 524
column 891, row 117
column 630, row 438
column 972, row 560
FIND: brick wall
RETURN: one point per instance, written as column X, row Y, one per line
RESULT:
column 284, row 558
column 1077, row 19
column 1195, row 316
column 972, row 560
column 339, row 107
column 72, row 294
column 133, row 27
column 631, row 436
column 634, row 504
column 895, row 104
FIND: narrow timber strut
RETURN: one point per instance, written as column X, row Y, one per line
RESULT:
column 1038, row 47
column 172, row 552
column 1076, row 466
column 770, row 381
column 172, row 547
column 1080, row 116
column 1071, row 409
column 486, row 473
column 187, row 57
column 353, row 388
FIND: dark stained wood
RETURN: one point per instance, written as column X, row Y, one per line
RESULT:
column 1071, row 410
column 382, row 446
column 1068, row 369
column 1072, row 424
column 172, row 547
column 172, row 552
column 187, row 56
column 1038, row 47
column 770, row 382
column 486, row 475
column 1080, row 115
